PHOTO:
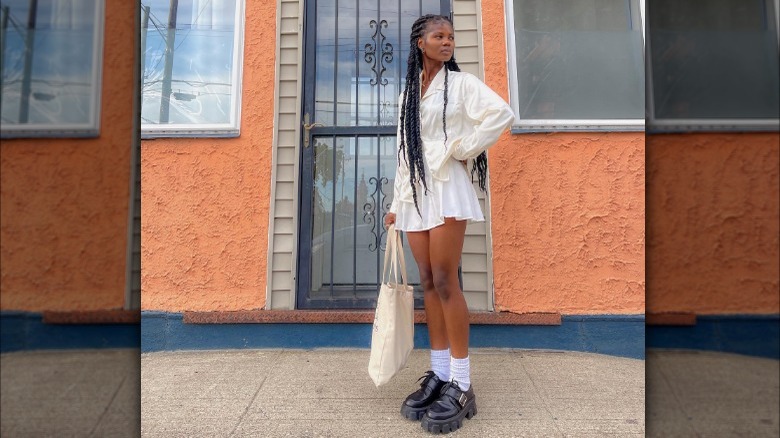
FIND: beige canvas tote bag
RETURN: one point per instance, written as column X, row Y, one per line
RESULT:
column 392, row 338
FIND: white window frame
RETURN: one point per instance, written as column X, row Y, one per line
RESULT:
column 220, row 130
column 554, row 125
column 659, row 126
column 88, row 129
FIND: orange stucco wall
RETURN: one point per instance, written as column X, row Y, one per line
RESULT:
column 713, row 215
column 204, row 232
column 568, row 210
column 63, row 235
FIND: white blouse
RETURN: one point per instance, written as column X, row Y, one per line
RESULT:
column 476, row 117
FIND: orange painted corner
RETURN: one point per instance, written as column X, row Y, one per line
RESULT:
column 65, row 201
column 713, row 223
column 206, row 201
column 567, row 210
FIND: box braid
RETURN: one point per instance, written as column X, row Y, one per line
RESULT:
column 411, row 143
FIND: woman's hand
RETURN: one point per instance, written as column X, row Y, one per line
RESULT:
column 389, row 219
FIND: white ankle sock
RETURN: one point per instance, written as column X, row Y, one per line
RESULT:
column 440, row 363
column 461, row 372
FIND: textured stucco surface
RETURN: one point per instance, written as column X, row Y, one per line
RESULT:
column 63, row 237
column 568, row 210
column 713, row 215
column 204, row 232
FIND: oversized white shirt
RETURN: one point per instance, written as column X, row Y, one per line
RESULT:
column 476, row 117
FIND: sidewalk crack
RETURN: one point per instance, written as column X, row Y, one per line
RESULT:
column 539, row 394
column 680, row 403
column 243, row 415
column 108, row 406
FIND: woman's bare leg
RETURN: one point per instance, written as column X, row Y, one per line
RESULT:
column 445, row 244
column 437, row 252
column 419, row 242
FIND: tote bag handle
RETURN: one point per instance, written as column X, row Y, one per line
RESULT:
column 394, row 251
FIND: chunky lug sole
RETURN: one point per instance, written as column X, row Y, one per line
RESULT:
column 429, row 382
column 452, row 424
column 411, row 413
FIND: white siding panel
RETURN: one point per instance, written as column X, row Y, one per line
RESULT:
column 288, row 88
column 467, row 53
column 288, row 41
column 288, row 57
column 472, row 68
column 476, row 228
column 283, row 205
column 287, row 139
column 465, row 22
column 283, row 243
column 289, row 122
column 281, row 279
column 287, row 105
column 285, row 172
column 288, row 70
column 474, row 281
column 474, row 244
column 475, row 262
column 284, row 226
column 289, row 25
column 464, row 7
column 280, row 299
column 289, row 9
column 284, row 190
column 466, row 39
column 286, row 154
column 282, row 262
column 476, row 300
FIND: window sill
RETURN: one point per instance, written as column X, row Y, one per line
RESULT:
column 42, row 133
column 151, row 135
column 550, row 128
column 721, row 125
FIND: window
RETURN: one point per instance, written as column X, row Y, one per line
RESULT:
column 576, row 65
column 50, row 65
column 713, row 68
column 191, row 67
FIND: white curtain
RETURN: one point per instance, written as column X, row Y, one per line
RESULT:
column 207, row 14
column 69, row 14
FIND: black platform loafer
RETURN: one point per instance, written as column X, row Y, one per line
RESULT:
column 417, row 403
column 446, row 414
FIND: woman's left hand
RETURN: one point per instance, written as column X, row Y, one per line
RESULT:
column 389, row 219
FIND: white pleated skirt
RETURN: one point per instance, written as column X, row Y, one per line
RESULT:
column 455, row 198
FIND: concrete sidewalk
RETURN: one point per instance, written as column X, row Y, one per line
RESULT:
column 70, row 393
column 322, row 393
column 328, row 393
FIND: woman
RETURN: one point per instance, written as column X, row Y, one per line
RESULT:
column 447, row 118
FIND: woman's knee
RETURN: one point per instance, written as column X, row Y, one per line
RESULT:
column 426, row 279
column 444, row 284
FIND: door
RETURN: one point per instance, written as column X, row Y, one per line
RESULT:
column 354, row 69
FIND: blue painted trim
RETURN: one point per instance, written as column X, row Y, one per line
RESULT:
column 752, row 335
column 618, row 335
column 26, row 331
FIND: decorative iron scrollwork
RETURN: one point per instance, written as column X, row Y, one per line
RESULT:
column 370, row 208
column 378, row 62
column 386, row 113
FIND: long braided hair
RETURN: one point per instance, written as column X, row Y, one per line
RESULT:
column 411, row 143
